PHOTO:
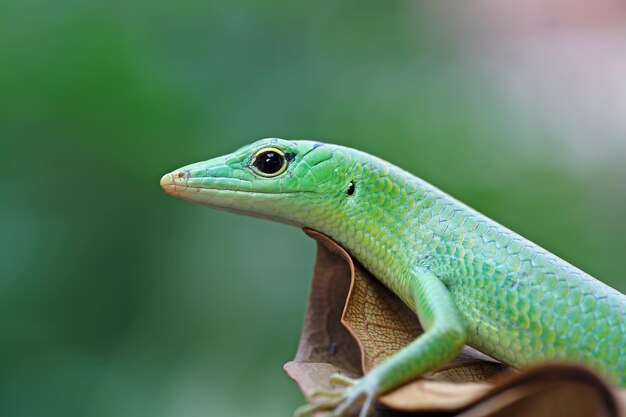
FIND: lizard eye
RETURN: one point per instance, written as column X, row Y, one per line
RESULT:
column 269, row 162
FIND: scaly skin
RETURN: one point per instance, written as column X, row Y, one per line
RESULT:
column 469, row 279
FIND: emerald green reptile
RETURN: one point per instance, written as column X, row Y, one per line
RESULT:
column 469, row 279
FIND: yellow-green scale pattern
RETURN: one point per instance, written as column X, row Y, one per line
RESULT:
column 519, row 303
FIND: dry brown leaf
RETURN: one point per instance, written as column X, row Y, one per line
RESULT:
column 353, row 322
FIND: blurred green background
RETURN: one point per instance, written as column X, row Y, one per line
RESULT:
column 117, row 300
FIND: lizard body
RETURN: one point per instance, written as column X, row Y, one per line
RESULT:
column 469, row 279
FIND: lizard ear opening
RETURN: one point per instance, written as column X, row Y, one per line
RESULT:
column 351, row 188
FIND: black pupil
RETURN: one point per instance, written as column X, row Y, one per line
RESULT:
column 269, row 162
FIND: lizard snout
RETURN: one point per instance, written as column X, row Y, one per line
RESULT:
column 171, row 181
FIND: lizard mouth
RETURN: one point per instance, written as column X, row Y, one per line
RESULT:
column 225, row 196
column 177, row 184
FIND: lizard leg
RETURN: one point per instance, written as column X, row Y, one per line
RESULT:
column 443, row 338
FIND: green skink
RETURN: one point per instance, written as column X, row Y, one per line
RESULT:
column 468, row 279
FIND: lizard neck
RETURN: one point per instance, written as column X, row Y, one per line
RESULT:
column 377, row 223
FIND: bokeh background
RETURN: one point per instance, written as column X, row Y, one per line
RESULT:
column 117, row 300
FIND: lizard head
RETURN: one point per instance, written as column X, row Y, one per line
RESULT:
column 297, row 182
